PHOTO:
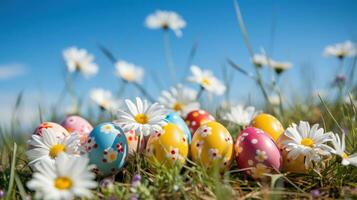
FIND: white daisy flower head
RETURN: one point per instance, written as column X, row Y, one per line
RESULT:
column 104, row 99
column 129, row 72
column 68, row 177
column 274, row 100
column 260, row 60
column 310, row 142
column 180, row 99
column 48, row 146
column 79, row 60
column 166, row 20
column 339, row 146
column 341, row 50
column 206, row 80
column 143, row 117
column 240, row 115
column 280, row 66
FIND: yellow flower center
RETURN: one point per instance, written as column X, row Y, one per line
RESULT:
column 128, row 76
column 344, row 156
column 307, row 142
column 178, row 106
column 55, row 149
column 141, row 118
column 63, row 183
column 206, row 82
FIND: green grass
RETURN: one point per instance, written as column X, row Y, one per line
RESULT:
column 194, row 182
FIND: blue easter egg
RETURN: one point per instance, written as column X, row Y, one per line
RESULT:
column 175, row 118
column 107, row 148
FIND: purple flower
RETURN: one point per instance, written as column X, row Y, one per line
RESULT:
column 136, row 180
column 134, row 196
column 315, row 193
column 105, row 183
column 2, row 194
column 340, row 78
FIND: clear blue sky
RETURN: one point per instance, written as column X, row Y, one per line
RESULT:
column 34, row 33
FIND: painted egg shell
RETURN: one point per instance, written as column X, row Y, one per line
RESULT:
column 56, row 128
column 79, row 125
column 255, row 149
column 176, row 119
column 269, row 124
column 107, row 148
column 291, row 165
column 196, row 118
column 167, row 147
column 212, row 144
column 132, row 140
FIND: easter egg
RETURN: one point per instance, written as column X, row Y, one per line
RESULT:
column 255, row 149
column 56, row 129
column 176, row 119
column 196, row 118
column 291, row 165
column 212, row 145
column 107, row 148
column 167, row 147
column 269, row 124
column 79, row 125
column 133, row 141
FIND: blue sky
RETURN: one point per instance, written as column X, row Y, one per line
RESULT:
column 34, row 33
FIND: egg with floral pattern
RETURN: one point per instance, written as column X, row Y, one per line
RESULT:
column 256, row 150
column 212, row 145
column 56, row 128
column 176, row 119
column 79, row 125
column 133, row 141
column 269, row 124
column 291, row 165
column 107, row 148
column 167, row 147
column 196, row 118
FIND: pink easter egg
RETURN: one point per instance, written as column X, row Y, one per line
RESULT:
column 79, row 125
column 256, row 150
column 133, row 140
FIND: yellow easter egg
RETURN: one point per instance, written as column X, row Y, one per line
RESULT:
column 291, row 165
column 268, row 124
column 167, row 147
column 212, row 144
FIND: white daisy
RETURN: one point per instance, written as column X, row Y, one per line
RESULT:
column 180, row 99
column 81, row 61
column 260, row 60
column 305, row 141
column 129, row 72
column 240, row 115
column 144, row 118
column 341, row 50
column 340, row 150
column 66, row 178
column 48, row 147
column 104, row 99
column 274, row 100
column 206, row 80
column 280, row 66
column 166, row 20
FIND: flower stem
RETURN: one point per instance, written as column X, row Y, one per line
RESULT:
column 168, row 55
column 199, row 94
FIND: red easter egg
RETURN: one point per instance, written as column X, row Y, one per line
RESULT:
column 196, row 118
column 256, row 150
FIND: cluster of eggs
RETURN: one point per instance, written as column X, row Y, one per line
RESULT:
column 258, row 148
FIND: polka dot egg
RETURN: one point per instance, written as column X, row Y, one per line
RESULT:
column 269, row 124
column 79, row 125
column 167, row 147
column 107, row 148
column 54, row 127
column 211, row 145
column 133, row 141
column 255, row 149
column 175, row 118
column 196, row 118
